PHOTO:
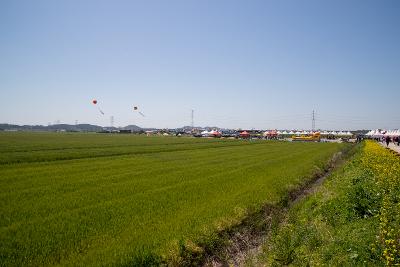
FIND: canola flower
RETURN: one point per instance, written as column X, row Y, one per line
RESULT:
column 385, row 167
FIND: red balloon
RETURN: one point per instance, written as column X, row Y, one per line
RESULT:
column 94, row 101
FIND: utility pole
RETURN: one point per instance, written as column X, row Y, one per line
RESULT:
column 192, row 124
column 313, row 121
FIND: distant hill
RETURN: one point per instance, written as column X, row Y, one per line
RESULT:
column 78, row 127
column 134, row 128
column 87, row 128
column 90, row 128
column 55, row 127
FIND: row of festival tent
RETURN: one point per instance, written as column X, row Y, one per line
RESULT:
column 274, row 132
column 383, row 133
column 280, row 133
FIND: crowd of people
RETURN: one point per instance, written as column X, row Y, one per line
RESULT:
column 388, row 139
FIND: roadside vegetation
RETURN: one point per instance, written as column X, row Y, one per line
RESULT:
column 134, row 200
column 353, row 219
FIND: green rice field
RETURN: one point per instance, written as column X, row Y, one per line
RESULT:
column 102, row 199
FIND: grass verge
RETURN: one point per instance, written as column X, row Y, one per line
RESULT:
column 352, row 220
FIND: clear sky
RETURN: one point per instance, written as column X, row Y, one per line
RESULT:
column 238, row 64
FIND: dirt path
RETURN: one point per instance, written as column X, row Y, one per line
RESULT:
column 246, row 241
column 392, row 147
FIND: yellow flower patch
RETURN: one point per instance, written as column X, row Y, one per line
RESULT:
column 385, row 167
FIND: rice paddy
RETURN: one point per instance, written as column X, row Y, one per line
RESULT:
column 101, row 199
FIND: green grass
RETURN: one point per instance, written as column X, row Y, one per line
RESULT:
column 93, row 199
column 335, row 226
column 21, row 147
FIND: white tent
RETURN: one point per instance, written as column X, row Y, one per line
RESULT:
column 370, row 133
column 377, row 134
column 205, row 133
column 392, row 133
column 211, row 133
column 387, row 133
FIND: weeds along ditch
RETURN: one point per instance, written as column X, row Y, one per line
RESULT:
column 352, row 219
column 239, row 245
column 160, row 207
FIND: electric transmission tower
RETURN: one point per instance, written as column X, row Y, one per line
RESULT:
column 192, row 117
column 313, row 121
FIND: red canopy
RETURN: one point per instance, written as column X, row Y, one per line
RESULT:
column 215, row 133
column 244, row 133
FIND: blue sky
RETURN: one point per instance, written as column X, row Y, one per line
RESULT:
column 238, row 64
